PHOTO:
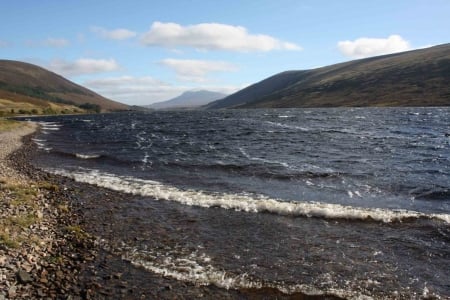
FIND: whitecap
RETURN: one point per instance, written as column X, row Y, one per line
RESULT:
column 243, row 201
column 50, row 125
column 197, row 268
column 86, row 156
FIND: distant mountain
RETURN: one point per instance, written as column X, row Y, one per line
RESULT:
column 413, row 78
column 27, row 83
column 189, row 99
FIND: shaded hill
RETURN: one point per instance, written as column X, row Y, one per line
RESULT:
column 24, row 82
column 189, row 99
column 413, row 78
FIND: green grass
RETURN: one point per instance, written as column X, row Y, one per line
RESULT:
column 13, row 228
column 7, row 241
column 7, row 125
column 77, row 231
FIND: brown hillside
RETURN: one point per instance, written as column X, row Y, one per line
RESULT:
column 21, row 81
column 413, row 78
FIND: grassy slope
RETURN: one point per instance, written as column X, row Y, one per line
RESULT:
column 414, row 78
column 7, row 125
column 23, row 82
column 35, row 107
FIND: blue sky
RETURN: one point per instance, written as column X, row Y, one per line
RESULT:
column 141, row 52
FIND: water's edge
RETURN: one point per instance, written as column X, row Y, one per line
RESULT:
column 111, row 274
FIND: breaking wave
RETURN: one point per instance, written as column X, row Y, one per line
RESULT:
column 197, row 268
column 241, row 202
column 87, row 156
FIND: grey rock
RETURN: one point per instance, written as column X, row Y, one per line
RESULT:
column 23, row 277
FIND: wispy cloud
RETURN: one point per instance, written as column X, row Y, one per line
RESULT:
column 82, row 66
column 49, row 42
column 53, row 42
column 366, row 47
column 196, row 70
column 212, row 36
column 4, row 44
column 146, row 90
column 134, row 90
column 114, row 34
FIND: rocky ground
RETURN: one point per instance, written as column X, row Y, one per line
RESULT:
column 38, row 232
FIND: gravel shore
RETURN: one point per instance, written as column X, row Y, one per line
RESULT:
column 37, row 230
column 10, row 141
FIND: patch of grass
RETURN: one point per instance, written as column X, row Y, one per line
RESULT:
column 22, row 221
column 48, row 186
column 63, row 208
column 20, row 198
column 55, row 259
column 7, row 125
column 21, row 194
column 7, row 241
column 77, row 231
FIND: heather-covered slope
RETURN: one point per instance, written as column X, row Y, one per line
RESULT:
column 413, row 78
column 27, row 83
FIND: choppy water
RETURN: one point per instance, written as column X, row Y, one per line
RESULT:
column 352, row 202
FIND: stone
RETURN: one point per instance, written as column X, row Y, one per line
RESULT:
column 23, row 277
column 12, row 292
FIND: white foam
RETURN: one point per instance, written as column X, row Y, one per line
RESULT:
column 286, row 126
column 198, row 269
column 262, row 159
column 241, row 202
column 86, row 156
column 41, row 144
column 50, row 125
column 50, row 128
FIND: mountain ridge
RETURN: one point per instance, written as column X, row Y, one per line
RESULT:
column 188, row 99
column 413, row 78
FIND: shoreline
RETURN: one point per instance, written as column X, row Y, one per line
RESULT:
column 41, row 246
column 71, row 264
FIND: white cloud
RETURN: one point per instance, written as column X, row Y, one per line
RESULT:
column 53, row 42
column 83, row 66
column 4, row 44
column 115, row 34
column 134, row 90
column 366, row 47
column 49, row 42
column 196, row 70
column 212, row 36
column 145, row 90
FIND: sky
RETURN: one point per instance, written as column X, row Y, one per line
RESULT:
column 142, row 52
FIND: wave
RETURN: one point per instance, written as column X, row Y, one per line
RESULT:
column 197, row 268
column 38, row 140
column 87, row 156
column 41, row 144
column 268, row 161
column 242, row 202
column 286, row 126
column 50, row 125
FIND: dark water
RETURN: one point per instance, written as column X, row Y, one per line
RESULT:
column 353, row 202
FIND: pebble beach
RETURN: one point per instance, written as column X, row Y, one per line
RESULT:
column 37, row 231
